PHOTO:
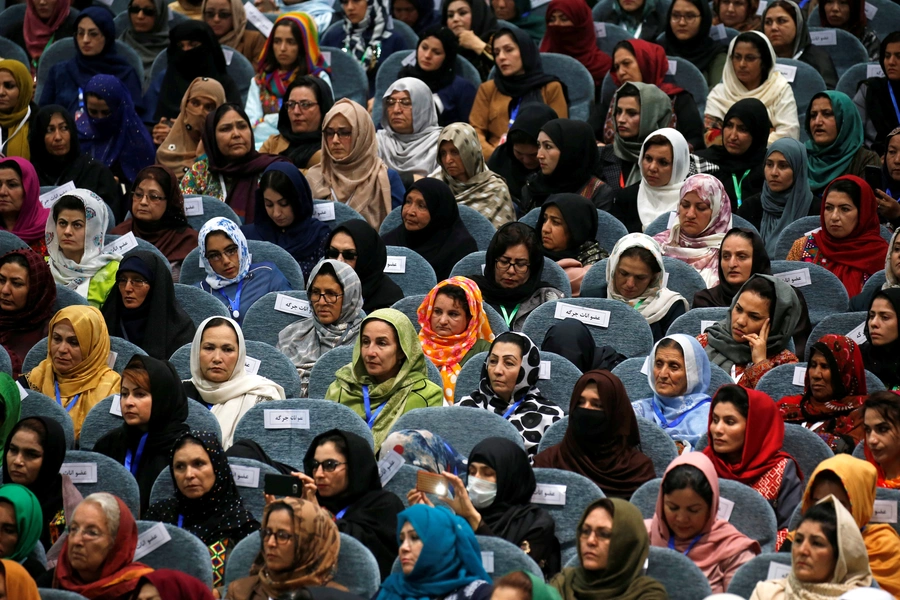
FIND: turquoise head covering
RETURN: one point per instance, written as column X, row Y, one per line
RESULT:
column 782, row 208
column 29, row 519
column 450, row 557
column 829, row 162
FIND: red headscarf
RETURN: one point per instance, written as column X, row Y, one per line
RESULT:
column 578, row 41
column 32, row 217
column 38, row 32
column 854, row 258
column 175, row 585
column 654, row 64
column 119, row 575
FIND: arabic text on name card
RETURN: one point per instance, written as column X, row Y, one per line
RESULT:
column 588, row 316
column 548, row 493
column 395, row 264
column 858, row 334
column 871, row 9
column 799, row 376
column 49, row 199
column 826, row 37
column 726, row 507
column 122, row 245
column 673, row 67
column 796, row 278
column 324, row 211
column 717, row 32
column 80, row 472
column 150, row 540
column 600, row 29
column 487, row 561
column 247, row 477
column 296, row 418
column 262, row 23
column 193, row 206
column 292, row 306
column 544, row 369
column 777, row 571
column 410, row 60
column 874, row 71
column 885, row 512
column 706, row 324
column 389, row 466
column 251, row 365
column 115, row 407
column 789, row 72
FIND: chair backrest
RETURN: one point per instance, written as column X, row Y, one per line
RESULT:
column 10, row 49
column 67, row 51
column 210, row 208
column 695, row 321
column 630, row 336
column 342, row 212
column 826, row 294
column 661, row 223
column 682, row 579
column 199, row 305
column 578, row 80
column 557, row 388
column 238, row 67
column 756, row 570
column 343, row 355
column 5, row 362
column 680, row 277
column 689, row 77
column 353, row 82
column 184, row 552
column 409, row 306
column 417, row 276
column 873, row 284
column 50, row 594
column 36, row 404
column 609, row 229
column 580, row 492
column 192, row 272
column 609, row 35
column 263, row 322
column 143, row 244
column 637, row 386
column 852, row 77
column 791, row 233
column 461, row 427
column 553, row 274
column 66, row 297
column 123, row 350
column 507, row 557
column 778, row 382
column 10, row 241
column 807, row 82
column 477, row 224
column 403, row 481
column 843, row 47
column 840, row 324
column 289, row 445
column 112, row 477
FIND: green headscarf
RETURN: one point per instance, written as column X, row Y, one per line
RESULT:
column 541, row 590
column 29, row 518
column 12, row 406
column 829, row 162
column 530, row 21
column 656, row 112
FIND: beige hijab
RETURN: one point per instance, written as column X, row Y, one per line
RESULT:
column 179, row 150
column 235, row 37
column 359, row 180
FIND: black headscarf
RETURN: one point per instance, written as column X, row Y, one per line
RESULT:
column 531, row 118
column 723, row 293
column 302, row 146
column 701, row 49
column 378, row 290
column 579, row 158
column 427, row 15
column 217, row 515
column 580, row 217
column 48, row 485
column 884, row 361
column 370, row 513
column 168, row 413
column 182, row 67
column 526, row 86
column 879, row 107
column 497, row 295
column 159, row 326
column 484, row 23
column 445, row 240
column 444, row 76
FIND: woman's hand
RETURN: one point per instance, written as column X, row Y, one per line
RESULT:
column 161, row 131
column 757, row 342
column 470, row 41
column 417, row 497
column 887, row 206
column 460, row 503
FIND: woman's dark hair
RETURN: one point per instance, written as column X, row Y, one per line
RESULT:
column 669, row 344
column 761, row 263
column 518, row 581
column 688, row 477
column 270, row 63
column 786, row 7
column 138, row 373
column 825, row 515
column 509, row 337
column 217, row 322
column 891, row 38
column 848, row 187
column 514, row 234
column 456, row 293
column 156, row 174
column 16, row 259
column 888, row 406
column 277, row 505
column 735, row 395
column 67, row 203
column 763, row 288
column 500, row 34
column 35, row 426
column 764, row 57
column 629, row 91
column 826, row 477
column 280, row 182
column 339, row 442
column 228, row 107
column 300, row 593
column 645, row 256
column 328, row 269
column 623, row 45
column 657, row 140
column 184, row 441
column 11, row 164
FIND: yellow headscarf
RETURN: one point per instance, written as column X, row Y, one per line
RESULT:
column 91, row 380
column 17, row 145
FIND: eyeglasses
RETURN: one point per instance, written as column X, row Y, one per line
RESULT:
column 90, row 533
column 302, row 105
column 151, row 197
column 747, row 58
column 212, row 14
column 281, row 537
column 334, row 253
column 687, row 18
column 230, row 252
column 328, row 465
column 148, row 11
column 330, row 297
column 520, row 266
column 341, row 133
column 404, row 102
column 136, row 283
column 602, row 534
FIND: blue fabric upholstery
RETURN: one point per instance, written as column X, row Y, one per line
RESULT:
column 409, row 306
column 806, row 84
column 212, row 208
column 690, row 322
column 754, row 571
column 352, row 82
column 609, row 229
column 479, row 227
column 886, row 20
column 661, row 222
column 461, row 427
column 846, row 52
column 827, row 295
column 689, row 77
column 192, row 272
column 124, row 352
column 112, row 477
column 873, row 284
column 342, row 212
column 553, row 274
column 614, row 35
column 48, row 594
column 852, row 77
column 635, row 382
column 64, row 49
column 578, row 80
column 323, row 371
column 841, row 324
column 185, row 552
column 263, row 323
column 682, row 278
column 66, row 297
column 10, row 49
column 37, row 404
column 419, row 277
column 200, row 305
column 5, row 362
column 778, row 382
column 580, row 492
column 10, row 241
column 402, row 482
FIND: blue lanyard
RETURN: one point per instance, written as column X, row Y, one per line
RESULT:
column 515, row 112
column 738, row 184
column 340, row 515
column 132, row 462
column 236, row 305
column 180, row 521
column 894, row 100
column 370, row 416
column 690, row 546
column 450, row 452
column 666, row 424
column 512, row 408
column 59, row 400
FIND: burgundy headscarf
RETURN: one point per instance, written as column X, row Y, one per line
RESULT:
column 175, row 585
column 578, row 41
column 32, row 218
column 652, row 60
column 38, row 307
column 38, row 32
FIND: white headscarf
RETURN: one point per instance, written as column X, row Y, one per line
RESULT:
column 655, row 302
column 234, row 233
column 654, row 201
column 891, row 280
column 414, row 152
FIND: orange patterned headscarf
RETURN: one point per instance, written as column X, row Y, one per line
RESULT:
column 447, row 352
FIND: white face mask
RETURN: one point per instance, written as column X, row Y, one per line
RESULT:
column 482, row 493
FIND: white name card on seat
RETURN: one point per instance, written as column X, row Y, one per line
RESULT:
column 111, row 359
column 410, row 60
column 600, row 29
column 251, row 365
column 762, row 7
column 665, row 280
column 80, row 472
column 293, row 306
column 150, row 540
column 537, row 3
column 549, row 493
column 812, row 231
column 247, row 477
column 726, row 507
column 228, row 53
column 706, row 324
column 390, row 466
column 777, row 571
column 327, row 56
column 193, row 206
column 796, row 278
column 717, row 32
column 885, row 512
column 789, row 72
column 871, row 9
column 799, row 376
column 487, row 561
column 673, row 218
column 395, row 264
column 121, row 246
column 544, row 369
column 673, row 67
column 297, row 418
column 23, row 393
column 874, row 71
column 115, row 408
column 259, row 20
column 858, row 334
column 588, row 316
column 827, row 37
column 50, row 198
column 323, row 211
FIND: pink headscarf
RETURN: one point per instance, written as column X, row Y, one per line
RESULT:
column 32, row 218
column 37, row 32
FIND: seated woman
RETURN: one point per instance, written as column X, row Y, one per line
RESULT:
column 158, row 217
column 291, row 51
column 704, row 216
column 147, row 30
column 834, row 391
column 334, row 291
column 572, row 340
column 881, row 416
column 75, row 370
column 439, row 557
column 753, row 338
column 20, row 514
column 861, row 301
column 613, row 546
column 829, row 557
column 417, row 14
column 462, row 167
column 154, row 409
column 520, row 78
column 686, row 520
column 568, row 235
column 300, row 545
column 636, row 61
column 432, row 226
column 880, row 350
column 228, row 20
column 664, row 163
column 570, row 31
column 453, row 328
column 43, row 24
column 21, row 211
column 16, row 108
column 408, row 138
column 351, row 171
column 509, row 379
column 511, row 281
column 849, row 242
column 678, row 373
column 602, row 441
column 206, row 501
column 850, row 15
column 873, row 97
column 95, row 54
column 642, row 19
column 746, row 433
column 743, row 78
column 742, row 15
column 218, row 378
column 179, row 145
column 388, row 367
column 516, row 159
column 687, row 36
column 299, row 139
column 225, row 255
column 27, row 301
column 473, row 24
column 355, row 243
column 435, row 65
column 231, row 168
column 284, row 216
column 784, row 23
column 143, row 309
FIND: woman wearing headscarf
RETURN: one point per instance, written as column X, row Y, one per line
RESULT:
column 784, row 23
column 11, row 404
column 713, row 544
column 850, row 15
column 664, row 163
column 473, row 24
column 95, row 54
column 574, row 36
column 408, row 140
column 76, row 384
column 22, row 213
column 572, row 340
column 299, row 139
column 18, row 110
column 397, row 383
column 144, row 441
column 418, row 14
column 643, row 19
column 174, row 585
column 228, row 20
column 351, row 171
column 611, row 557
column 602, row 440
column 753, row 338
column 23, row 508
column 355, row 242
column 142, row 307
column 516, row 159
column 181, row 143
column 743, row 15
column 520, row 79
column 43, row 24
column 24, row 313
column 881, row 412
column 849, row 242
column 688, row 37
column 334, row 291
column 834, row 390
column 888, row 208
column 147, row 30
column 873, row 97
column 881, row 350
column 209, row 507
column 568, row 225
column 757, row 79
column 704, row 216
column 432, row 226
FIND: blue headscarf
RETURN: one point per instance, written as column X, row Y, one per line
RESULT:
column 229, row 228
column 450, row 557
column 120, row 138
column 109, row 61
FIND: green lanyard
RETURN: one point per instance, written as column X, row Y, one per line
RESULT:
column 509, row 318
column 738, row 184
